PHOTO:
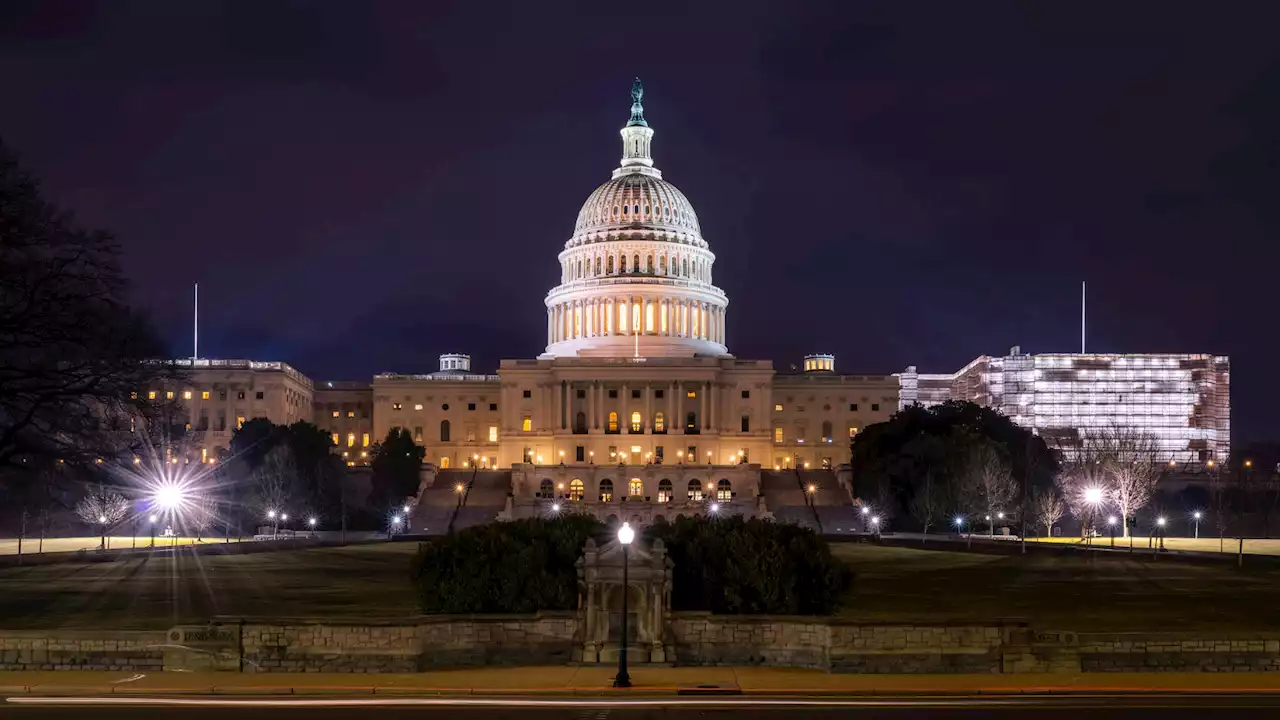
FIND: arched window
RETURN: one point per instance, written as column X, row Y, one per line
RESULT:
column 636, row 422
column 579, row 268
column 606, row 490
column 625, row 209
column 693, row 268
column 648, row 317
column 826, row 431
column 659, row 423
column 608, row 265
column 691, row 422
column 613, row 422
column 444, row 431
column 664, row 491
column 662, row 264
column 597, row 264
column 635, row 209
column 684, row 263
column 576, row 489
column 580, row 423
column 724, row 491
column 635, row 488
column 444, row 462
column 546, row 488
column 695, row 491
column 635, row 264
column 650, row 263
column 622, row 265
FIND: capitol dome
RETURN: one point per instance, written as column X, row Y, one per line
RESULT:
column 635, row 276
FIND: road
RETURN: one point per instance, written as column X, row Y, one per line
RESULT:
column 1146, row 707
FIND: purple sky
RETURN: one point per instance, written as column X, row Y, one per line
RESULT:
column 360, row 186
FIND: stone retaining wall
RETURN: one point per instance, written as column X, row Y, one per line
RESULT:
column 81, row 650
column 1179, row 652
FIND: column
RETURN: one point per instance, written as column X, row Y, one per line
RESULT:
column 550, row 327
column 648, row 408
column 711, row 400
column 599, row 392
column 591, row 405
column 702, row 404
column 564, row 403
column 546, row 407
column 554, row 391
column 673, row 423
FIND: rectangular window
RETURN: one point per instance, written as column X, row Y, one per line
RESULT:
column 258, row 395
column 334, row 437
column 151, row 395
column 351, row 439
column 691, row 452
column 582, row 394
column 133, row 396
column 777, row 407
column 186, row 394
column 493, row 407
column 493, row 433
column 613, row 452
column 396, row 406
column 746, row 394
column 417, row 433
column 613, row 394
column 416, row 406
column 657, row 453
column 351, row 413
column 657, row 394
column 240, row 395
column 471, row 406
column 222, row 422
column 826, row 463
column 471, row 434
column 528, row 393
column 691, row 394
column 335, row 413
column 526, row 423
column 222, row 394
column 635, row 394
column 527, row 454
column 746, row 424
column 580, row 454
column 853, row 431
column 875, row 407
column 169, row 395
column 239, row 421
column 364, row 440
column 204, row 395
column 777, row 434
column 853, row 407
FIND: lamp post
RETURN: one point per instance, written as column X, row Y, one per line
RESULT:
column 1160, row 529
column 1092, row 496
column 1196, row 516
column 153, row 530
column 875, row 524
column 1111, row 524
column 395, row 526
column 275, row 524
column 311, row 523
column 625, row 536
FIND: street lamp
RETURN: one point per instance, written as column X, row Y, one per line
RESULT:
column 715, row 508
column 1092, row 496
column 153, row 530
column 1160, row 524
column 625, row 536
column 875, row 524
column 959, row 522
column 555, row 507
column 275, row 524
column 1111, row 524
column 311, row 523
column 1196, row 516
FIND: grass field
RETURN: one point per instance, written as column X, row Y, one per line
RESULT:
column 353, row 582
column 1116, row 592
column 9, row 546
column 893, row 584
column 1258, row 546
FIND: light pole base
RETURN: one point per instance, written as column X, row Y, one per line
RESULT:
column 623, row 680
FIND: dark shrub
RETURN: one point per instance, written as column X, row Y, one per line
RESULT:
column 507, row 567
column 732, row 565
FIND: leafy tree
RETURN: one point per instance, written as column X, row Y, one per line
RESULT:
column 74, row 356
column 102, row 508
column 891, row 459
column 290, row 465
column 396, row 464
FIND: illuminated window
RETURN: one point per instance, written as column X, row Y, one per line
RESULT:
column 648, row 314
column 606, row 490
column 576, row 490
column 659, row 423
column 635, row 422
column 493, row 433
column 151, row 395
column 417, row 406
column 169, row 395
column 444, row 462
column 364, row 440
column 133, row 396
column 613, row 422
column 691, row 394
column 204, row 455
column 240, row 395
column 351, row 413
column 777, row 407
column 853, row 431
column 777, row 434
column 351, row 439
column 826, row 431
column 417, row 433
column 636, row 488
column 186, row 394
column 695, row 491
column 335, row 413
column 724, row 491
column 204, row 395
column 664, row 491
column 239, row 421
column 396, row 406
column 335, row 438
column 526, row 423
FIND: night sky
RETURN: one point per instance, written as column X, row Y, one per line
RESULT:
column 360, row 186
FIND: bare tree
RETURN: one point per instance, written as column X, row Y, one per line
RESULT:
column 929, row 502
column 1049, row 508
column 201, row 514
column 273, row 479
column 102, row 508
column 988, row 481
column 1220, row 504
column 1129, row 457
column 74, row 357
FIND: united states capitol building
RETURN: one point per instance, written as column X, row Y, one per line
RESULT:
column 636, row 408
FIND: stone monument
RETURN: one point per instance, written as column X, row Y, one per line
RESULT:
column 600, row 602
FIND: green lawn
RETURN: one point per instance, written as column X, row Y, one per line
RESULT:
column 893, row 584
column 358, row 581
column 1111, row 593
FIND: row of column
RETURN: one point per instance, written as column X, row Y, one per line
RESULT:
column 663, row 317
column 565, row 392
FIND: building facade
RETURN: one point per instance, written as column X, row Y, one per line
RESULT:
column 1183, row 401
